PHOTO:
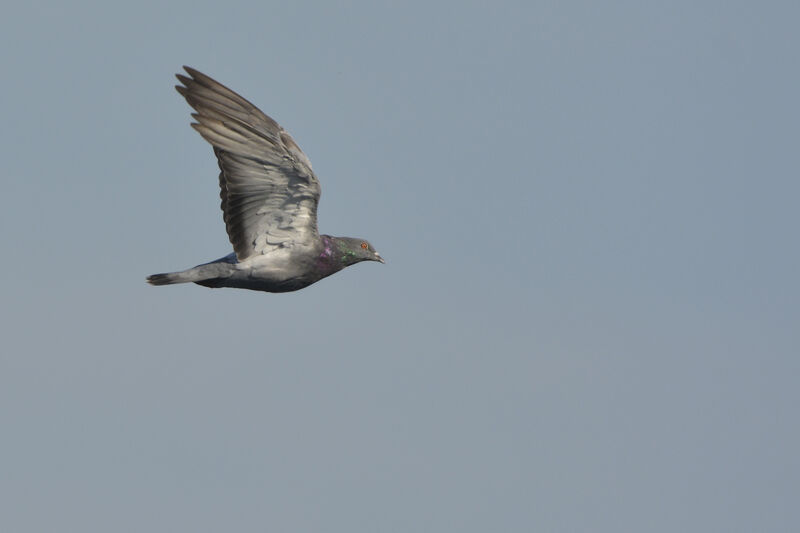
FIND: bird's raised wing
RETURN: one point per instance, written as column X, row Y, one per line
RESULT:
column 269, row 192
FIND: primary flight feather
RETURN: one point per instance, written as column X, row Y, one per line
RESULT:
column 269, row 199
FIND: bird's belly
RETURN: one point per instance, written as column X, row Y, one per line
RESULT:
column 268, row 283
column 279, row 273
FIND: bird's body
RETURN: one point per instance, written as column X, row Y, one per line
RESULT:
column 269, row 199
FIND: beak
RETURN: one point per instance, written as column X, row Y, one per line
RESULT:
column 379, row 258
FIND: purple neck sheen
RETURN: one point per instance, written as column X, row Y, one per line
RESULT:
column 327, row 248
column 325, row 261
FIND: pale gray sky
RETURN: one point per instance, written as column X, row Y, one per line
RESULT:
column 588, row 319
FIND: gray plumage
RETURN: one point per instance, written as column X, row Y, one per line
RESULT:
column 269, row 199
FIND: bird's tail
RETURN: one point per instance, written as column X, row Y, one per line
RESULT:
column 170, row 278
column 208, row 274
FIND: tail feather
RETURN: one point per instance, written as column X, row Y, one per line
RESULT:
column 208, row 274
column 167, row 278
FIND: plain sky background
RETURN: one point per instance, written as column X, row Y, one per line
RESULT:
column 589, row 319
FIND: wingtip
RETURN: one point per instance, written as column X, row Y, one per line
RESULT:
column 197, row 76
column 194, row 75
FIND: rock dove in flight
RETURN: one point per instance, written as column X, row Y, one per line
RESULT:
column 269, row 200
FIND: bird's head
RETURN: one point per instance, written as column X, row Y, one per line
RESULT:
column 351, row 251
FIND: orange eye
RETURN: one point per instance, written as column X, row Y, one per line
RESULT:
column 364, row 245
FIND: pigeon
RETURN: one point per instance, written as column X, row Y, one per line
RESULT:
column 269, row 200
